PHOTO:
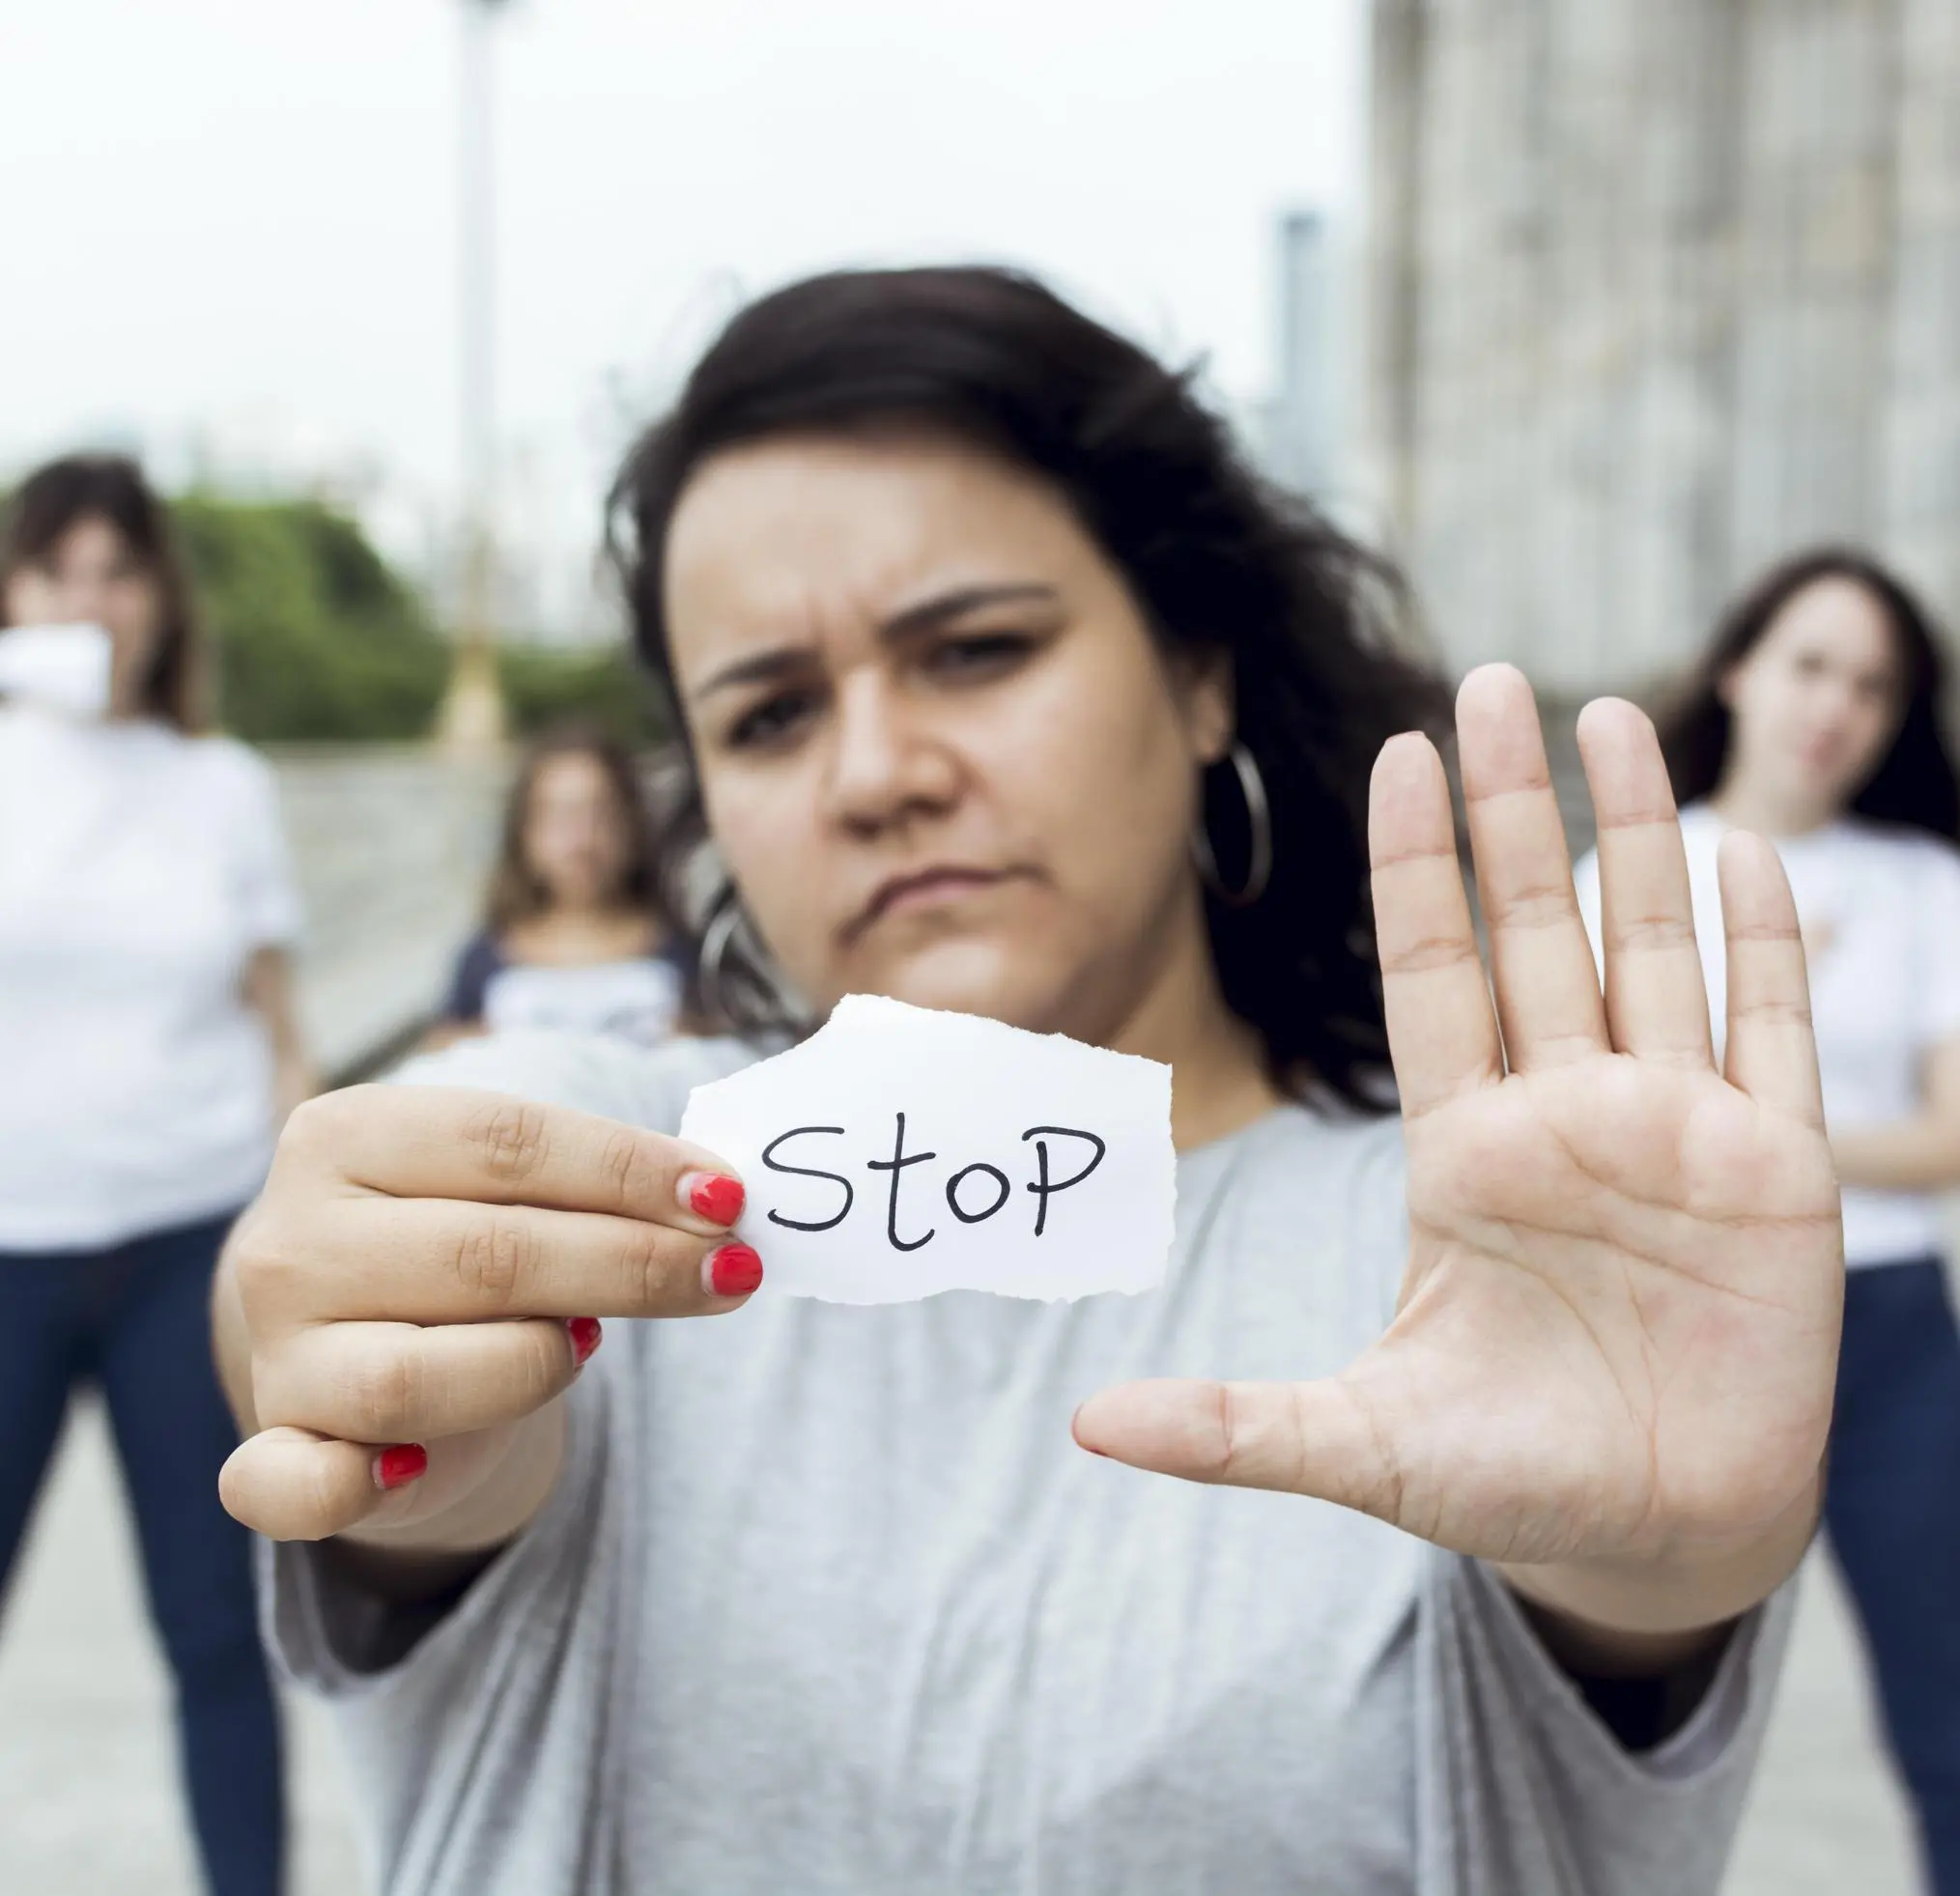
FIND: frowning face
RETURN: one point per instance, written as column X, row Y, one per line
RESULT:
column 941, row 754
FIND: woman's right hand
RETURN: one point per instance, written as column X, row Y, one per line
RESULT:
column 423, row 1271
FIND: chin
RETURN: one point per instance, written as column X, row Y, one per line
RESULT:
column 969, row 977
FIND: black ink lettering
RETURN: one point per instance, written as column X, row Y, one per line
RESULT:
column 1043, row 1190
column 999, row 1177
column 896, row 1165
column 806, row 1171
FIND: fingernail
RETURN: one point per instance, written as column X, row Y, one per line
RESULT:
column 398, row 1466
column 585, row 1332
column 712, row 1196
column 733, row 1270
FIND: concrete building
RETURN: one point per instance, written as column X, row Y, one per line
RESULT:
column 1296, row 429
column 1658, row 290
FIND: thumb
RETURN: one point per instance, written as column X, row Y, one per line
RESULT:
column 293, row 1484
column 1314, row 1438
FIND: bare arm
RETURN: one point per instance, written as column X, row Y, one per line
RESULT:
column 1918, row 1155
column 268, row 993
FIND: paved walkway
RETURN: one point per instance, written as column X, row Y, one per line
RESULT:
column 88, row 1804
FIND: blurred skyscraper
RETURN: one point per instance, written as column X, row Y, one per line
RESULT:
column 1296, row 428
column 1658, row 290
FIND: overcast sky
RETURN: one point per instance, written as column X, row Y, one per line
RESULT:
column 237, row 215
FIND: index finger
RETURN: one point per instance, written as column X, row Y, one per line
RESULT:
column 496, row 1148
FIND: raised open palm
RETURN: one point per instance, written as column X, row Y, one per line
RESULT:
column 1617, row 1334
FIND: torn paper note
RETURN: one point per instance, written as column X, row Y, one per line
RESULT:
column 900, row 1151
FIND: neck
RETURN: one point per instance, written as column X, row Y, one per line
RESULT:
column 1220, row 1082
column 563, row 909
column 1746, row 805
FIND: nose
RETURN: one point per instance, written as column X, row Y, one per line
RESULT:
column 78, row 597
column 885, row 768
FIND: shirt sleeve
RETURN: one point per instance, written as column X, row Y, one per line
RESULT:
column 527, row 1651
column 1523, row 1790
column 1937, row 902
column 481, row 959
column 528, row 1648
column 265, row 890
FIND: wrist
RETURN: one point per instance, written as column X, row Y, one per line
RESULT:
column 1638, row 1615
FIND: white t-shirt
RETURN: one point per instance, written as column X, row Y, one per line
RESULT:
column 139, row 871
column 636, row 1000
column 1880, row 909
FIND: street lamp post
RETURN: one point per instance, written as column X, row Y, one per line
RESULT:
column 472, row 718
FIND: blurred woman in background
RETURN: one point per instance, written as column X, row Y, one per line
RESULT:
column 576, row 937
column 148, row 1052
column 1814, row 718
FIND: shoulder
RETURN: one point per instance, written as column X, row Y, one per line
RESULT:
column 231, row 771
column 1911, row 855
column 588, row 1073
column 482, row 954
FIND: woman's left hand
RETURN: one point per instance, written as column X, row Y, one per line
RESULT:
column 1617, row 1334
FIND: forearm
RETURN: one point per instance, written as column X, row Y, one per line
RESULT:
column 1919, row 1154
column 1627, row 1619
column 268, row 991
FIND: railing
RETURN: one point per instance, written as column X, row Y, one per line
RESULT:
column 392, row 848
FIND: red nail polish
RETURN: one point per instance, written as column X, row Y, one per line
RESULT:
column 585, row 1332
column 734, row 1270
column 398, row 1466
column 717, row 1199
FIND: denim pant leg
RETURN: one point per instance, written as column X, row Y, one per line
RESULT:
column 1892, row 1512
column 41, row 1351
column 173, row 1432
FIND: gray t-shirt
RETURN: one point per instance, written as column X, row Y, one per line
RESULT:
column 826, row 1601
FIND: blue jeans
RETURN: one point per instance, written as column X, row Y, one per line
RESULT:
column 133, row 1319
column 1892, row 1512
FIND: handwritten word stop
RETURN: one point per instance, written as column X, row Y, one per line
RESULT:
column 900, row 1151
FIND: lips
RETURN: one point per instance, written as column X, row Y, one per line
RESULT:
column 922, row 885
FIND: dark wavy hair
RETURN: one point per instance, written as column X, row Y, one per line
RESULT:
column 111, row 487
column 1915, row 784
column 1219, row 561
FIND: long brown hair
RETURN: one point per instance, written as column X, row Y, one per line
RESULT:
column 111, row 487
column 516, row 895
column 1915, row 784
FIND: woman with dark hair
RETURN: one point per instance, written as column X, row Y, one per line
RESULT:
column 576, row 937
column 148, row 1049
column 1008, row 690
column 1815, row 720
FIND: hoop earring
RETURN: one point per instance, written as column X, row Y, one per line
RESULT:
column 1258, row 819
column 716, row 937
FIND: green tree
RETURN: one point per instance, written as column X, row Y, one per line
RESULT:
column 316, row 637
column 547, row 685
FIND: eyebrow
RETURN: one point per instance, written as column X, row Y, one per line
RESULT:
column 938, row 611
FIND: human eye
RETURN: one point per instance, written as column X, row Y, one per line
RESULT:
column 976, row 655
column 772, row 721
